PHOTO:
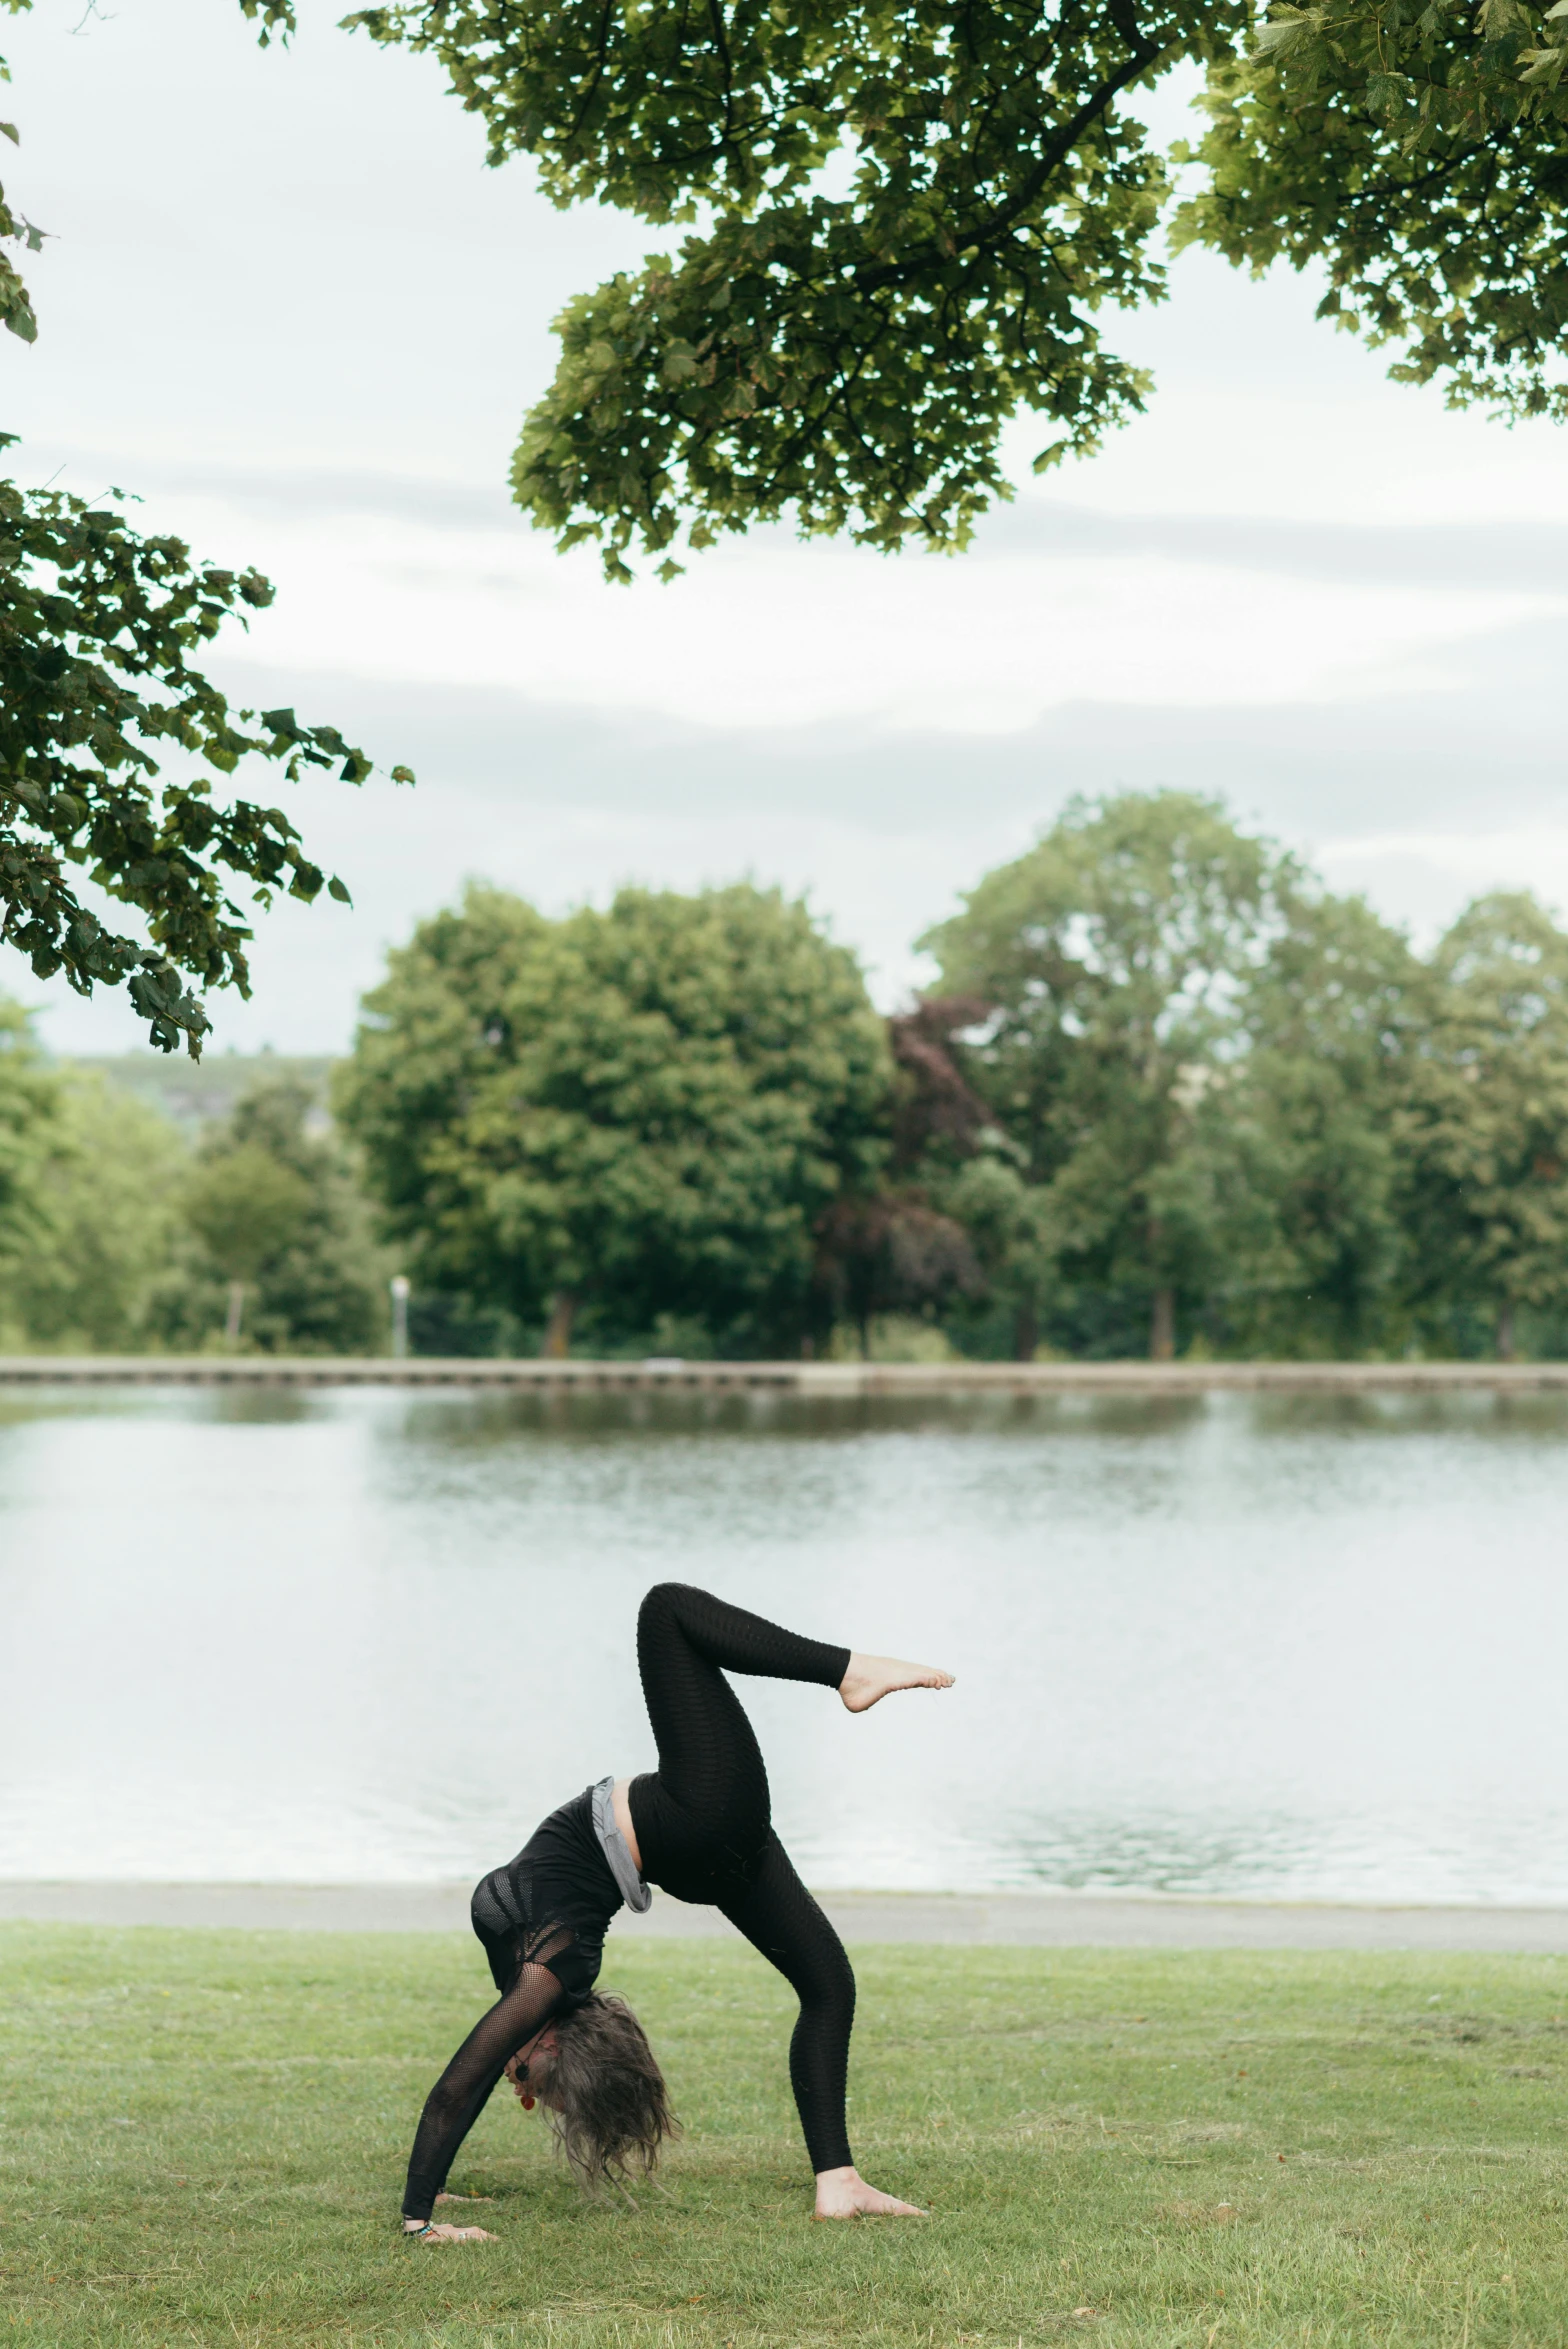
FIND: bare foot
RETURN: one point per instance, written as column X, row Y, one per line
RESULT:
column 844, row 2194
column 872, row 1677
column 465, row 2198
column 445, row 2234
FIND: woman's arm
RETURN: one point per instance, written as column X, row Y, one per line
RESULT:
column 463, row 2090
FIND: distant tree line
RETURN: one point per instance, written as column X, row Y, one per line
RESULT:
column 1233, row 1112
column 116, row 1235
column 1167, row 1094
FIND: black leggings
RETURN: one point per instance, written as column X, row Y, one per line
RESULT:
column 705, row 1832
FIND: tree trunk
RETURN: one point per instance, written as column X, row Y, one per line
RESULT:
column 1162, row 1326
column 558, row 1337
column 1505, row 1330
column 1026, row 1331
column 864, row 1326
column 236, row 1313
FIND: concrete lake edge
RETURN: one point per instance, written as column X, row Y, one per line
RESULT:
column 1042, row 1920
column 908, row 1379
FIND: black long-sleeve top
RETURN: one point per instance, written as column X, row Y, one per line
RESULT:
column 542, row 1921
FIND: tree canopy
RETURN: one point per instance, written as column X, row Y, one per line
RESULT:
column 275, row 1249
column 1188, row 1100
column 904, row 219
column 640, row 1113
column 87, row 1190
column 852, row 358
column 1170, row 1091
column 1421, row 155
column 99, row 627
column 117, row 1235
column 1309, row 1117
column 1485, row 1126
column 1114, row 956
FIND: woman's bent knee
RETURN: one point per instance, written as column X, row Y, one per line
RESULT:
column 663, row 1602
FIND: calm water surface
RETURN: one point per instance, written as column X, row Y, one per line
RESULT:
column 1277, row 1646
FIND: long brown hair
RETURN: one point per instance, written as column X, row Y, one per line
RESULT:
column 615, row 2108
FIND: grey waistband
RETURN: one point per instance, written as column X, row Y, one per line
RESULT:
column 616, row 1849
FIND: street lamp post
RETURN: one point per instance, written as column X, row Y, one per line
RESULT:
column 399, row 1285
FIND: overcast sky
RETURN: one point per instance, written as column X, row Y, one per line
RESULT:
column 285, row 302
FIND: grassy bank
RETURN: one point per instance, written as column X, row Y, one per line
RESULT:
column 204, row 2134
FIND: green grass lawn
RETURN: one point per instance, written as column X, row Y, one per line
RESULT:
column 203, row 2137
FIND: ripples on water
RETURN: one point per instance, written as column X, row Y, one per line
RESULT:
column 1293, row 1647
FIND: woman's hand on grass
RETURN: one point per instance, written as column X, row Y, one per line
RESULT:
column 843, row 2194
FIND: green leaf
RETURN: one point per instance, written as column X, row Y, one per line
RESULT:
column 97, row 628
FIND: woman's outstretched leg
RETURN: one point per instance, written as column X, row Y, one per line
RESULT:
column 704, row 1813
column 711, row 1790
column 686, row 1640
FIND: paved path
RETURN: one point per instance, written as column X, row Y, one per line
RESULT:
column 1041, row 1920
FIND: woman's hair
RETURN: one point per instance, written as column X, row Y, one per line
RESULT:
column 615, row 2108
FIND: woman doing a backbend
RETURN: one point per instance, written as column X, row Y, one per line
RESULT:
column 699, row 1827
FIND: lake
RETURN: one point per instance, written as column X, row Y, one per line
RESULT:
column 1279, row 1646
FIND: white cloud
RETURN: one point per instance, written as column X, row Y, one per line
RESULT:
column 1428, row 874
column 778, row 634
